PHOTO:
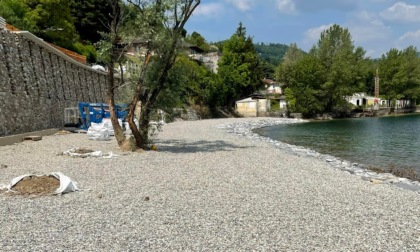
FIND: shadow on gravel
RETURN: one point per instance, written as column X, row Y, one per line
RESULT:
column 177, row 146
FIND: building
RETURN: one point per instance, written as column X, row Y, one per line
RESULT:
column 252, row 107
column 272, row 87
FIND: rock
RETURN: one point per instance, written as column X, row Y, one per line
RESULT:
column 392, row 181
column 376, row 181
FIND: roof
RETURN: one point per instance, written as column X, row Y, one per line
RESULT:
column 253, row 98
column 270, row 82
column 249, row 99
column 191, row 46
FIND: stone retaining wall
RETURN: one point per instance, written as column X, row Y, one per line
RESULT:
column 37, row 82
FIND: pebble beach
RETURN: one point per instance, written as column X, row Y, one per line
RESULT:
column 212, row 185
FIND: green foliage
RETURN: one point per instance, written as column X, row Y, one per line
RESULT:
column 86, row 50
column 196, row 39
column 60, row 21
column 90, row 18
column 272, row 53
column 320, row 81
column 188, row 84
column 285, row 71
column 239, row 68
column 304, row 93
column 400, row 74
column 343, row 67
column 53, row 21
column 15, row 11
column 275, row 105
column 219, row 44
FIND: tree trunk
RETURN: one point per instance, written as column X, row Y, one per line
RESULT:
column 115, row 55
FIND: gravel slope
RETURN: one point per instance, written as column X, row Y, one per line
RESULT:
column 208, row 191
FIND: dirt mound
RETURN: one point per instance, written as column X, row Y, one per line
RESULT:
column 37, row 186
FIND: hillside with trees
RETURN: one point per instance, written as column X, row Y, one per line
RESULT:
column 272, row 53
column 314, row 82
column 73, row 24
column 334, row 68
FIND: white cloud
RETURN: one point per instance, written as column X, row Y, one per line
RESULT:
column 402, row 12
column 409, row 39
column 311, row 36
column 211, row 9
column 307, row 6
column 242, row 5
column 286, row 6
column 367, row 27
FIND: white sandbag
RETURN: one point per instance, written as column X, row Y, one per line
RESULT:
column 107, row 123
column 66, row 184
column 73, row 152
column 98, row 131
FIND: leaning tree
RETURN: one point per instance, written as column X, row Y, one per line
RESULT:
column 158, row 25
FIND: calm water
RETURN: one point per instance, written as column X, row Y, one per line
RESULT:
column 380, row 141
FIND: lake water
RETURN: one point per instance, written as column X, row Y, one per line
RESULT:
column 377, row 141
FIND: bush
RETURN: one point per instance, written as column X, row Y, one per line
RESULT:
column 89, row 51
column 275, row 105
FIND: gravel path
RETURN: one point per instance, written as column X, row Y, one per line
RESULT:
column 208, row 190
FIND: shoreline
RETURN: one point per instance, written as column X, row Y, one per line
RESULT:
column 357, row 169
column 204, row 189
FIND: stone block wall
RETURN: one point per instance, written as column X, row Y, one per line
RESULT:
column 37, row 82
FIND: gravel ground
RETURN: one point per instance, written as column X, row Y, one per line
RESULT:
column 203, row 190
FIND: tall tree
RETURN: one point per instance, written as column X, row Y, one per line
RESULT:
column 304, row 87
column 14, row 11
column 343, row 67
column 285, row 71
column 160, row 28
column 53, row 21
column 399, row 71
column 239, row 67
column 90, row 18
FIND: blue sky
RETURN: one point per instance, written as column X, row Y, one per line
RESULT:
column 376, row 25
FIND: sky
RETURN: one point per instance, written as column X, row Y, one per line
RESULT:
column 375, row 25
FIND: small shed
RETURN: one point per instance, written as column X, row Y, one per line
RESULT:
column 252, row 107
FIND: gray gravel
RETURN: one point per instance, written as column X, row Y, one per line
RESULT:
column 208, row 190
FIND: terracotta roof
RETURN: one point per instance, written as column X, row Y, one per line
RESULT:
column 268, row 81
column 11, row 27
column 71, row 54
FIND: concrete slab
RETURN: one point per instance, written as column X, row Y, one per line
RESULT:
column 12, row 139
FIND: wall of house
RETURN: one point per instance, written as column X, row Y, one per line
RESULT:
column 247, row 109
column 37, row 82
column 263, row 105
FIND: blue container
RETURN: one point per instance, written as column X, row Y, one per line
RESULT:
column 95, row 112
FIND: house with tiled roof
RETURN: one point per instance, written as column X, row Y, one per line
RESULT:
column 272, row 87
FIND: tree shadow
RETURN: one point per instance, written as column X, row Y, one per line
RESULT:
column 178, row 146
